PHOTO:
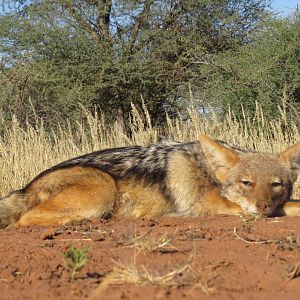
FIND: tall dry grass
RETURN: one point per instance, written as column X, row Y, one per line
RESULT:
column 25, row 153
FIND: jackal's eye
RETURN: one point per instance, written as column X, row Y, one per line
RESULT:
column 246, row 182
column 276, row 184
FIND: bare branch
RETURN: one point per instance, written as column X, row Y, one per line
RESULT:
column 104, row 11
column 68, row 5
column 139, row 22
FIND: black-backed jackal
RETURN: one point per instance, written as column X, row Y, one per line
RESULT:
column 167, row 179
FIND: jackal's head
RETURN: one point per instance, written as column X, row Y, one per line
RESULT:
column 258, row 182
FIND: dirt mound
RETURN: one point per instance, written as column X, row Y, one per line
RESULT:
column 173, row 258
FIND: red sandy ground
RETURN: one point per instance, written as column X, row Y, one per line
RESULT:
column 258, row 261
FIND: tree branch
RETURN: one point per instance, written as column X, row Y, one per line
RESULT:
column 139, row 22
column 104, row 11
column 69, row 6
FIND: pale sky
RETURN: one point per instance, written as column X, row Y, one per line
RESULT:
column 285, row 7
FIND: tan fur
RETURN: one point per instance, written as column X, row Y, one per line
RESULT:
column 137, row 200
column 258, row 182
column 213, row 203
column 291, row 208
column 72, row 194
column 188, row 179
column 220, row 158
column 182, row 169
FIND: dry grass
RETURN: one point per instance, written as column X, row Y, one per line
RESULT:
column 148, row 244
column 209, row 278
column 247, row 218
column 250, row 240
column 25, row 153
column 294, row 272
column 130, row 274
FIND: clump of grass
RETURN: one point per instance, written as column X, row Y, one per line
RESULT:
column 153, row 245
column 247, row 217
column 130, row 274
column 148, row 244
column 76, row 259
column 290, row 243
column 294, row 272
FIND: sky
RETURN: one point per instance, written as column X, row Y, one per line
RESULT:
column 284, row 7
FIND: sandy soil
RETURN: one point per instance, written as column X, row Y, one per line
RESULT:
column 206, row 258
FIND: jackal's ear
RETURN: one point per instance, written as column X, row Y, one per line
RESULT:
column 220, row 158
column 291, row 157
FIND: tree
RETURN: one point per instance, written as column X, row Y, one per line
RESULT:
column 109, row 54
column 266, row 71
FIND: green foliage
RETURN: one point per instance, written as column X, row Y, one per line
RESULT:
column 266, row 71
column 76, row 259
column 109, row 54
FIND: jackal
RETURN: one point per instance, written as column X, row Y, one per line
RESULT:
column 167, row 179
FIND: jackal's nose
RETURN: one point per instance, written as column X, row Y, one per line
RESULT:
column 262, row 205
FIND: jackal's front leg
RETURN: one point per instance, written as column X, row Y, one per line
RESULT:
column 290, row 208
column 212, row 203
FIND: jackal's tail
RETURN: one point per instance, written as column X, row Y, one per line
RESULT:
column 11, row 208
